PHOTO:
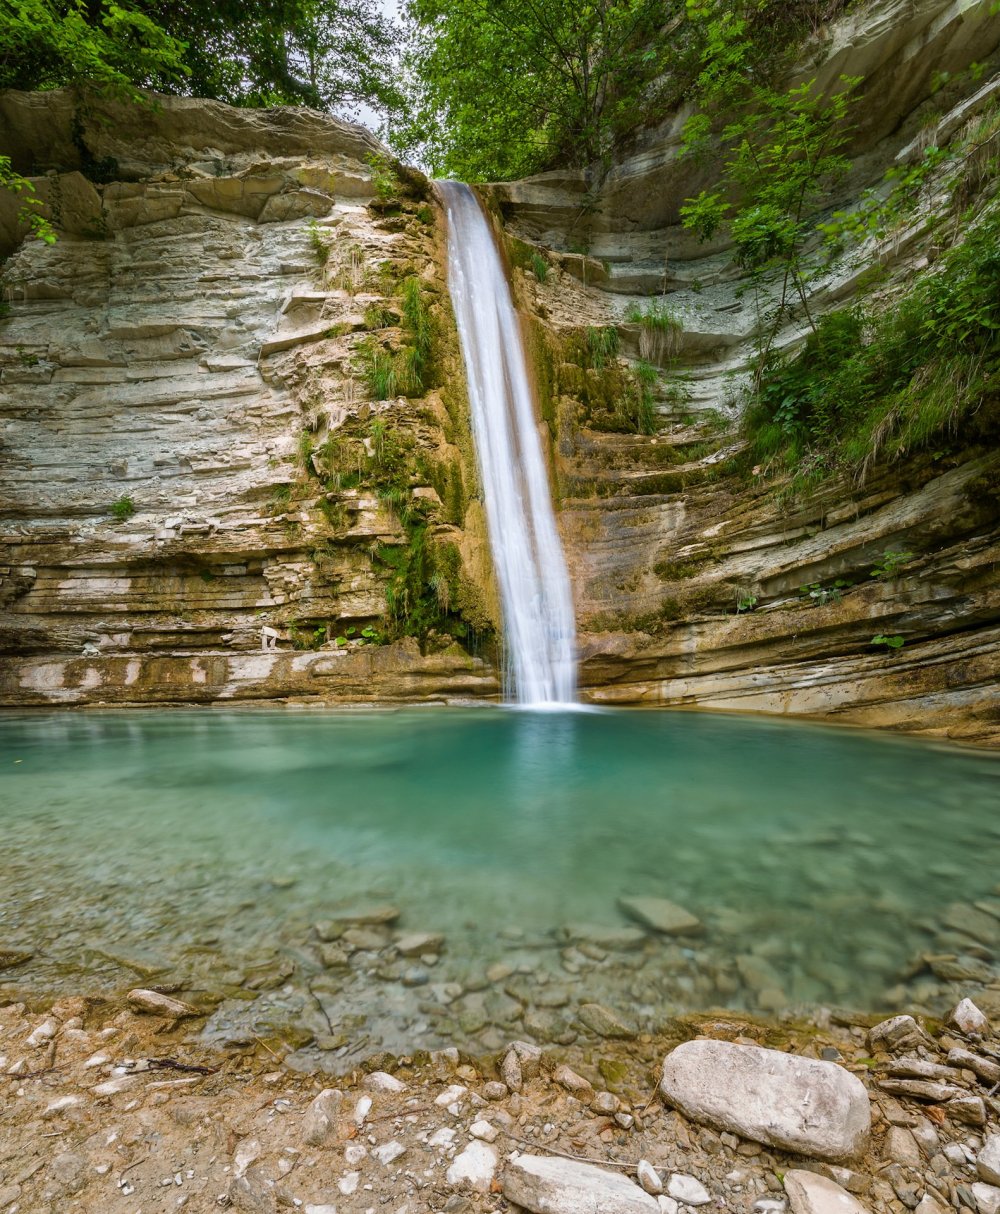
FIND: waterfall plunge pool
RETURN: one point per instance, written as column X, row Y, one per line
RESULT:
column 198, row 850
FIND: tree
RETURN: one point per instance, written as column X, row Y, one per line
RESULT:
column 501, row 88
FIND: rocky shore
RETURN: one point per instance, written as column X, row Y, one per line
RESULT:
column 105, row 1108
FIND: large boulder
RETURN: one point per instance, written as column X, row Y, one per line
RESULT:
column 562, row 1186
column 798, row 1104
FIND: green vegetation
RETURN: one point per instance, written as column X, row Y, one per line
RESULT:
column 539, row 267
column 890, row 642
column 502, row 90
column 602, row 346
column 123, row 508
column 319, row 242
column 407, row 371
column 889, row 566
column 876, row 381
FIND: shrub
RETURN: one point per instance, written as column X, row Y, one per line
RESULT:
column 123, row 508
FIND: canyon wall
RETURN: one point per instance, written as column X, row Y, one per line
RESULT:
column 172, row 370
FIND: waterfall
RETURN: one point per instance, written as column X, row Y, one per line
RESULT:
column 537, row 604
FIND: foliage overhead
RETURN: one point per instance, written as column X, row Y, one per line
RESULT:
column 324, row 53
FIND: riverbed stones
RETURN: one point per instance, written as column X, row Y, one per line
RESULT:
column 567, row 1078
column 11, row 957
column 606, row 1022
column 688, row 1190
column 986, row 1197
column 988, row 1161
column 321, row 1117
column 649, row 1178
column 418, row 944
column 662, row 915
column 896, row 1033
column 546, row 1185
column 158, row 1004
column 608, row 939
column 809, row 1193
column 799, row 1104
column 474, row 1168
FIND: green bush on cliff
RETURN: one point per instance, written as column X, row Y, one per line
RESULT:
column 874, row 382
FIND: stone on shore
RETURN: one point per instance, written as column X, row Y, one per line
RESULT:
column 968, row 1019
column 809, row 1193
column 988, row 1162
column 782, row 1100
column 158, row 1005
column 546, row 1185
column 474, row 1168
column 662, row 916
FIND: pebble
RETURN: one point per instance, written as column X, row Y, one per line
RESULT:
column 484, row 1130
column 417, row 943
column 494, row 1090
column 605, row 1022
column 510, row 1071
column 474, row 1168
column 380, row 1081
column 156, row 1004
column 321, row 1116
column 809, row 1193
column 572, row 1082
column 648, row 1177
column 662, row 916
column 388, row 1152
column 687, row 1190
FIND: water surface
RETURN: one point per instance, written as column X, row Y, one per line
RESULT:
column 201, row 847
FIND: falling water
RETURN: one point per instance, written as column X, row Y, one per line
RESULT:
column 534, row 585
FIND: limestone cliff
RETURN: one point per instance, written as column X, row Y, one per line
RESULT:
column 172, row 372
column 699, row 587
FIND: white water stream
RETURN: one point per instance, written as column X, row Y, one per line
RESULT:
column 535, row 593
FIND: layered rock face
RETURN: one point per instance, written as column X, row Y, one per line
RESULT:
column 695, row 586
column 171, row 369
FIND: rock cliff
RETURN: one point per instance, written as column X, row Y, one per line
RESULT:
column 172, row 371
column 695, row 585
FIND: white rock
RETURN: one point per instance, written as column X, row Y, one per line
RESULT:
column 799, row 1104
column 451, row 1094
column 987, row 1198
column 572, row 1082
column 349, row 1182
column 44, row 1033
column 354, row 1152
column 100, row 1059
column 988, row 1162
column 442, row 1138
column 529, row 1056
column 667, row 1204
column 687, row 1190
column 813, row 1194
column 246, row 1153
column 321, row 1117
column 381, row 1081
column 326, row 1208
column 362, row 1109
column 388, row 1151
column 484, row 1130
column 61, row 1105
column 649, row 1178
column 928, row 1205
column 158, row 1005
column 967, row 1018
column 563, row 1186
column 474, row 1168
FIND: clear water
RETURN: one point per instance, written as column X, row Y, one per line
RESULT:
column 204, row 845
column 537, row 602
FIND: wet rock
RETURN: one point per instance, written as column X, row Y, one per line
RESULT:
column 809, row 1193
column 158, row 1005
column 562, row 1186
column 338, row 922
column 605, row 1022
column 687, row 1190
column 549, row 1026
column 611, row 939
column 662, row 916
column 418, row 943
column 988, row 1161
column 363, row 940
column 968, row 1019
column 960, row 969
column 474, row 1168
column 800, row 1104
column 649, row 1178
column 11, row 956
column 972, row 922
column 321, row 1117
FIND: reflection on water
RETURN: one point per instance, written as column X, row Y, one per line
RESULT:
column 215, row 839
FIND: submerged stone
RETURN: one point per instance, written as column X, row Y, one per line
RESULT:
column 662, row 916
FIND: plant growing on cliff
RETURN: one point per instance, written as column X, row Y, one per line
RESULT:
column 784, row 151
column 889, row 642
column 123, row 508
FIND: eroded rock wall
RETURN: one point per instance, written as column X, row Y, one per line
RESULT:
column 697, row 586
column 171, row 370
